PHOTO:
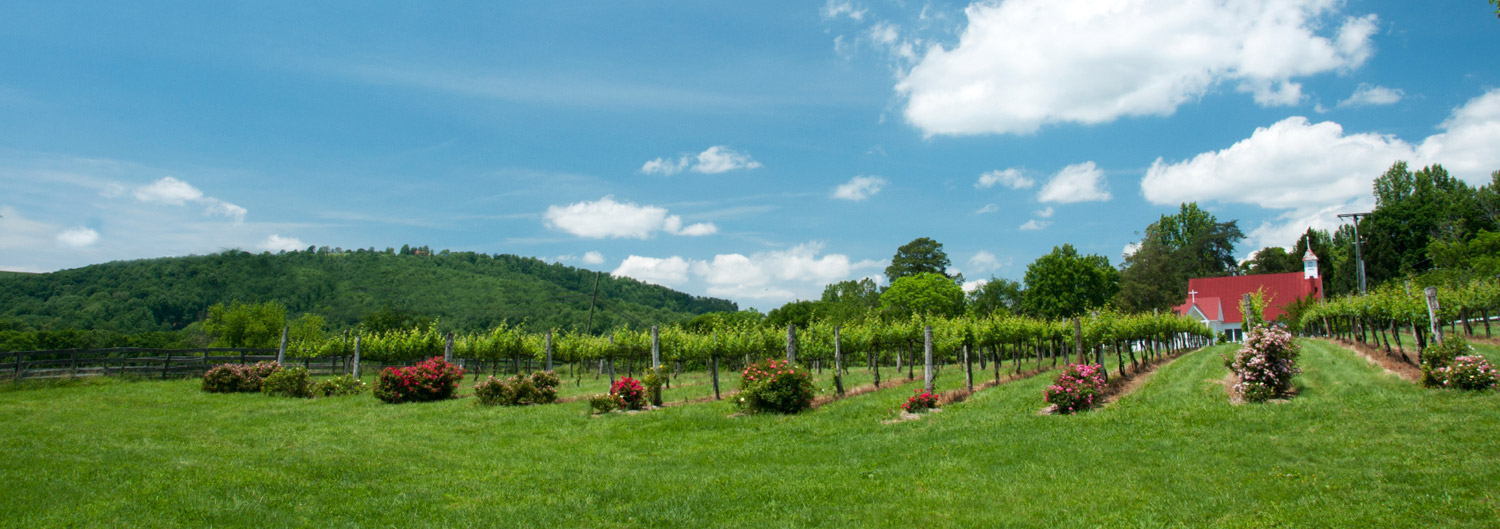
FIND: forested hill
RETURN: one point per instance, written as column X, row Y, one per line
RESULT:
column 463, row 290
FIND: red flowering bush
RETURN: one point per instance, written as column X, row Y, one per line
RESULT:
column 924, row 400
column 630, row 392
column 1077, row 389
column 434, row 379
column 776, row 386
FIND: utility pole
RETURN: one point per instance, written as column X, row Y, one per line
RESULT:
column 1358, row 259
column 591, row 303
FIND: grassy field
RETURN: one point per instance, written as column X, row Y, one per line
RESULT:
column 1356, row 448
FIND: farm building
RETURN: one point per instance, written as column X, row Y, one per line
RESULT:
column 1218, row 301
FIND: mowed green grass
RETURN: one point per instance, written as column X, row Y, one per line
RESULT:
column 1356, row 448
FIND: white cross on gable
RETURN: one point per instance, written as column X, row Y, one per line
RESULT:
column 1192, row 296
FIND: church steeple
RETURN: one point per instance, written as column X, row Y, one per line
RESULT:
column 1310, row 265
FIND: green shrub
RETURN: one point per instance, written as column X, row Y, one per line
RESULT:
column 653, row 382
column 605, row 403
column 434, row 379
column 238, row 378
column 290, row 382
column 775, row 386
column 1437, row 357
column 538, row 388
column 338, row 386
column 1076, row 389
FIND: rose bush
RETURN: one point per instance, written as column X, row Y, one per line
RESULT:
column 922, row 401
column 1265, row 365
column 631, row 393
column 238, row 378
column 1472, row 373
column 776, row 386
column 434, row 379
column 1076, row 389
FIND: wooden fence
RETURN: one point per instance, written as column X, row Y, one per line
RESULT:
column 142, row 362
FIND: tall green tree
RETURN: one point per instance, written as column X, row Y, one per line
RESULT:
column 1191, row 243
column 238, row 324
column 1272, row 260
column 921, row 255
column 924, row 293
column 1063, row 284
column 996, row 295
column 849, row 300
column 1413, row 208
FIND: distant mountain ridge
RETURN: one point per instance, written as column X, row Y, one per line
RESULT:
column 463, row 290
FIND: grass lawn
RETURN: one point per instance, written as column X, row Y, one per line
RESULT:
column 1356, row 448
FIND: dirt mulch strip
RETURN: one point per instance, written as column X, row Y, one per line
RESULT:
column 818, row 402
column 1390, row 362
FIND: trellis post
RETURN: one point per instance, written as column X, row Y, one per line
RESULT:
column 927, row 352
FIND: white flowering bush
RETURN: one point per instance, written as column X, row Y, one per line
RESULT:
column 1265, row 365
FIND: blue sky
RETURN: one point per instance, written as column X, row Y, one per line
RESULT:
column 749, row 151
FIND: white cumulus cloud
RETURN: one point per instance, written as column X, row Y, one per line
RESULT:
column 713, row 160
column 983, row 262
column 277, row 243
column 1034, row 225
column 78, row 237
column 1011, row 178
column 607, row 218
column 1046, row 212
column 173, row 192
column 859, row 188
column 776, row 274
column 719, row 159
column 665, row 166
column 988, row 208
column 1312, row 171
column 1022, row 64
column 836, row 8
column 671, row 271
column 593, row 258
column 1082, row 182
column 1372, row 95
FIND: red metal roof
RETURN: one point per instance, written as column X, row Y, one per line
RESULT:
column 1281, row 289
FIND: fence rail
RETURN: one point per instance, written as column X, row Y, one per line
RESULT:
column 142, row 362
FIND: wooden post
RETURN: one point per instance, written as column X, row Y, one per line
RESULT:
column 927, row 355
column 19, row 360
column 791, row 343
column 713, row 370
column 655, row 347
column 281, row 353
column 356, row 357
column 547, row 347
column 838, row 363
column 968, row 369
column 1432, row 310
column 168, row 365
column 1078, row 339
column 875, row 366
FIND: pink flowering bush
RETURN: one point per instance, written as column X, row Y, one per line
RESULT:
column 1265, row 365
column 924, row 400
column 631, row 394
column 775, row 386
column 1077, row 389
column 1471, row 373
column 434, row 379
column 1437, row 358
column 238, row 378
